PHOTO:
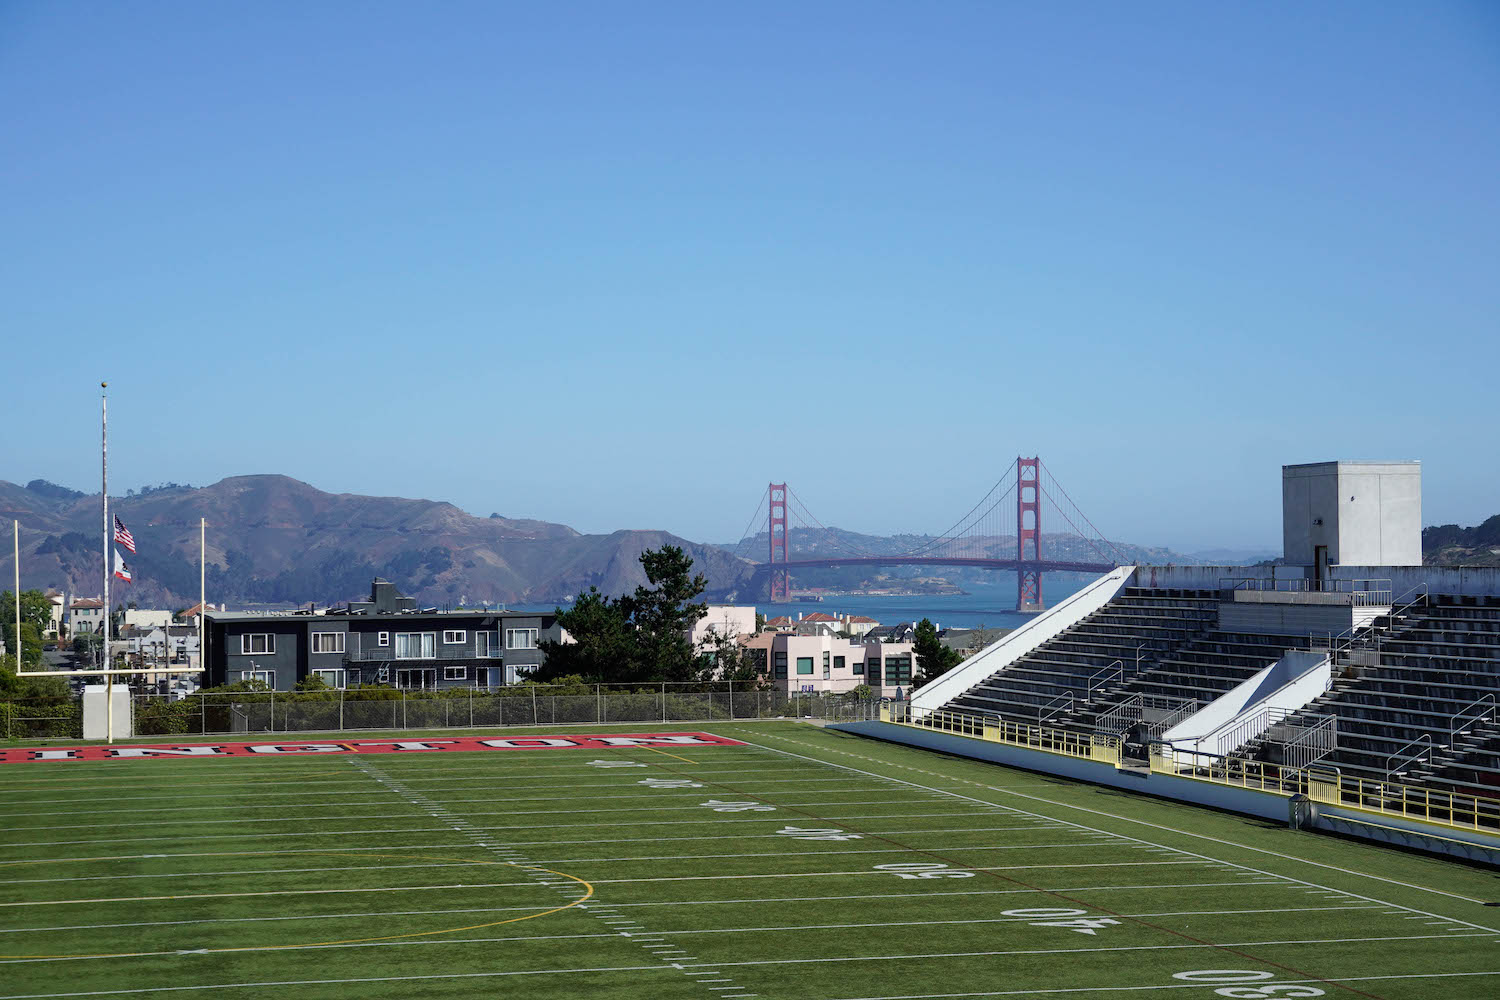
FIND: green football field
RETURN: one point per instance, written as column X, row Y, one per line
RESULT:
column 805, row 864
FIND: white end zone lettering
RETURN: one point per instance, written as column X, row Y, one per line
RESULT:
column 523, row 742
column 165, row 752
column 54, row 755
column 646, row 741
column 299, row 748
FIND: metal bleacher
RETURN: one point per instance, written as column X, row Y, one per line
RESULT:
column 1413, row 698
column 1416, row 699
column 1158, row 648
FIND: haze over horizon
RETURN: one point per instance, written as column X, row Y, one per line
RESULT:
column 619, row 267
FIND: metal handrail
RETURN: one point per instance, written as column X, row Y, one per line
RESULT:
column 1461, row 716
column 1424, row 742
column 1042, row 715
column 1089, row 684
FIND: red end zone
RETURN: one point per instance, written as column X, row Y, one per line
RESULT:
column 289, row 748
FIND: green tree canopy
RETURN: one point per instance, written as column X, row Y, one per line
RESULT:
column 933, row 658
column 636, row 638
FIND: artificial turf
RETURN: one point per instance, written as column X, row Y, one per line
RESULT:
column 762, row 870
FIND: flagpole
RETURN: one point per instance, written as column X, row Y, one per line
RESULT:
column 202, row 587
column 109, row 678
column 17, row 525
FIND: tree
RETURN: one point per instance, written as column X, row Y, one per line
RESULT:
column 601, row 648
column 722, row 658
column 36, row 609
column 665, row 613
column 636, row 638
column 933, row 658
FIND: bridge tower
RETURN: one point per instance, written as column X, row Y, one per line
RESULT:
column 781, row 590
column 1028, row 501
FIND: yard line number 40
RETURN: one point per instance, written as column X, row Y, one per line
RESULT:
column 1242, row 978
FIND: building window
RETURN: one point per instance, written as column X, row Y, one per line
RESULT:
column 898, row 669
column 416, row 645
column 258, row 643
column 455, row 673
column 826, row 674
column 874, row 666
column 521, row 638
column 328, row 642
column 333, row 678
column 266, row 677
column 383, row 675
column 781, row 666
column 838, row 663
column 859, row 669
column 384, row 639
column 487, row 643
column 804, row 664
column 451, row 636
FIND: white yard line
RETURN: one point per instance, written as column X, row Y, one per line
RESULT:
column 527, row 826
column 547, row 861
column 694, row 970
column 1167, row 986
column 915, row 893
column 1176, row 850
column 239, row 821
column 516, row 843
column 606, row 881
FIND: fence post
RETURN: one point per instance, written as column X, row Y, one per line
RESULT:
column 341, row 710
column 471, row 708
column 403, row 709
column 663, row 701
column 271, row 723
column 598, row 705
column 731, row 701
column 203, row 715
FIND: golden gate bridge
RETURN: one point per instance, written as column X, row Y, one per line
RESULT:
column 1003, row 531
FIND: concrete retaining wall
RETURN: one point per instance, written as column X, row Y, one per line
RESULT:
column 1470, row 581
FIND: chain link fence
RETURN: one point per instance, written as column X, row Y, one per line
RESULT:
column 219, row 713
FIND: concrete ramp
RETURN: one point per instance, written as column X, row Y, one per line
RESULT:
column 1011, row 647
column 1248, row 710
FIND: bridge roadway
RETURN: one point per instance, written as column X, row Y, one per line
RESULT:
column 898, row 560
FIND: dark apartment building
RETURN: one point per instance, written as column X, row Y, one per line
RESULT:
column 385, row 640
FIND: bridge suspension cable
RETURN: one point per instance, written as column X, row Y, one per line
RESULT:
column 1097, row 536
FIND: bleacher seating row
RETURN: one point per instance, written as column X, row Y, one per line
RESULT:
column 1431, row 675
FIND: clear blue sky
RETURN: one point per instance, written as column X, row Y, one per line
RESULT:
column 619, row 264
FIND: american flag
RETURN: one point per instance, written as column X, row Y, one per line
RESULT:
column 123, row 535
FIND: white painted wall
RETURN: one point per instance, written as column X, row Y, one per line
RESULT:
column 1011, row 647
column 1286, row 685
column 728, row 620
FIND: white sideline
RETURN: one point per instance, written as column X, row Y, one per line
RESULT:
column 1165, row 986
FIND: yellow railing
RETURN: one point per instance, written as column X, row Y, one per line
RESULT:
column 1104, row 749
column 1324, row 785
column 1329, row 787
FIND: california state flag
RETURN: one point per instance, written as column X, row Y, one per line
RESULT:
column 121, row 570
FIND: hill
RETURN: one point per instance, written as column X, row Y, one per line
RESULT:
column 1450, row 545
column 275, row 540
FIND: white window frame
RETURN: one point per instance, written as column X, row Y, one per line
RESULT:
column 338, row 679
column 534, row 635
column 269, row 676
column 384, row 639
column 337, row 641
column 383, row 675
column 455, row 673
column 454, row 636
column 421, row 646
column 246, row 644
column 490, row 640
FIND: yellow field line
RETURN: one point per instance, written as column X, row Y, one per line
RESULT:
column 587, row 895
column 665, row 754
